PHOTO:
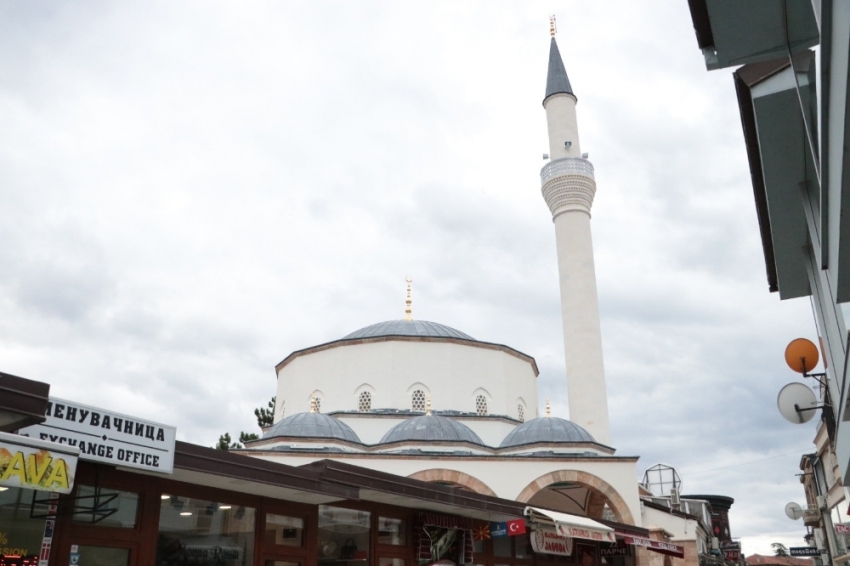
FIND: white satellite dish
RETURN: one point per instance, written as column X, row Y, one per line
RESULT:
column 796, row 403
column 793, row 511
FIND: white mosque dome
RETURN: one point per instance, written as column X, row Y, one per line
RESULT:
column 431, row 428
column 312, row 425
column 404, row 327
column 546, row 429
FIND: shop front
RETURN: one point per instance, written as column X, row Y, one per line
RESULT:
column 138, row 497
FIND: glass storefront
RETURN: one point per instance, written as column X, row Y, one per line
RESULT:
column 20, row 534
column 344, row 536
column 199, row 532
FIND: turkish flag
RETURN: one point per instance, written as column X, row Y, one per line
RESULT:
column 516, row 527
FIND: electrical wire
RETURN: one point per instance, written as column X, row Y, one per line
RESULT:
column 800, row 451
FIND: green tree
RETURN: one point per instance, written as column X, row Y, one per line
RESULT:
column 779, row 549
column 265, row 417
column 247, row 437
column 224, row 442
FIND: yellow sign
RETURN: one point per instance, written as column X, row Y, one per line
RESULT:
column 36, row 464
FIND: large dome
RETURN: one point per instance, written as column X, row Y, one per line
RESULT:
column 312, row 425
column 408, row 328
column 431, row 428
column 546, row 429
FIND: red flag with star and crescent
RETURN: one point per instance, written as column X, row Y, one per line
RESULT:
column 482, row 532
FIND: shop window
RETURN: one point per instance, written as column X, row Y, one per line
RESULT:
column 502, row 547
column 522, row 546
column 21, row 534
column 200, row 533
column 343, row 536
column 365, row 403
column 392, row 531
column 284, row 531
column 481, row 405
column 105, row 507
column 103, row 555
column 417, row 401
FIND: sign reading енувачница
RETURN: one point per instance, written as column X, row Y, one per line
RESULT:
column 106, row 436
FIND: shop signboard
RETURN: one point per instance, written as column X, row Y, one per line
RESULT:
column 618, row 549
column 575, row 531
column 545, row 540
column 804, row 551
column 36, row 464
column 106, row 436
column 842, row 528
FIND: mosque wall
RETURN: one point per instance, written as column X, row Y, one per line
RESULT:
column 506, row 477
column 455, row 376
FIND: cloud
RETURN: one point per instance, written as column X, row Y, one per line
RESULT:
column 192, row 191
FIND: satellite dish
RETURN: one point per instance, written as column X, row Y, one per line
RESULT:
column 796, row 403
column 801, row 355
column 793, row 511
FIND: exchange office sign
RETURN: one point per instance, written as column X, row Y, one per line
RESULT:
column 107, row 437
column 33, row 464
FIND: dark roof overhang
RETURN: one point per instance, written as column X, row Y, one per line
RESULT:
column 223, row 469
column 780, row 164
column 732, row 32
column 23, row 402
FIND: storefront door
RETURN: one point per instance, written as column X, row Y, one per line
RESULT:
column 100, row 552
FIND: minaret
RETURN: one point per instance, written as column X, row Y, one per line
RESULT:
column 568, row 188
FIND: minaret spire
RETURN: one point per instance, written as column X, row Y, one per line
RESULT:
column 568, row 188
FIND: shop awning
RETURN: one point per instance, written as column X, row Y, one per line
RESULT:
column 572, row 526
column 655, row 545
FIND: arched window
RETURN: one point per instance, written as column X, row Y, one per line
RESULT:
column 318, row 404
column 417, row 401
column 520, row 411
column 481, row 405
column 365, row 403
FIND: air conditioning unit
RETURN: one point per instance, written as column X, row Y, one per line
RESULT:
column 675, row 500
column 811, row 516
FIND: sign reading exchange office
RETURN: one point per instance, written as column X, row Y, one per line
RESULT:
column 107, row 437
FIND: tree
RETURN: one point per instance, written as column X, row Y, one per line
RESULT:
column 265, row 417
column 224, row 442
column 247, row 437
column 779, row 549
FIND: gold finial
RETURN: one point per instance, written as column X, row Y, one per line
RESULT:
column 408, row 309
column 428, row 405
column 312, row 404
column 548, row 409
column 553, row 29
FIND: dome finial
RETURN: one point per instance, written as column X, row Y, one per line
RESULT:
column 428, row 406
column 408, row 309
column 548, row 409
column 553, row 29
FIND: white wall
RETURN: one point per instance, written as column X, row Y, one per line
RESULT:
column 507, row 477
column 453, row 374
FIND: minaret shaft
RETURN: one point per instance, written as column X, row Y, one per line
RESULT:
column 569, row 187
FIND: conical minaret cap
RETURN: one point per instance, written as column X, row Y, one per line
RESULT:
column 557, row 81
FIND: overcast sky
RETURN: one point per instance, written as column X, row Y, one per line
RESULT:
column 189, row 191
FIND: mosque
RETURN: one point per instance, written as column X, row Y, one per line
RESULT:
column 424, row 400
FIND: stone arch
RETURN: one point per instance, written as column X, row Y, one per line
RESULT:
column 601, row 492
column 454, row 477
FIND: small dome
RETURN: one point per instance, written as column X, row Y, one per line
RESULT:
column 408, row 328
column 312, row 425
column 431, row 428
column 546, row 429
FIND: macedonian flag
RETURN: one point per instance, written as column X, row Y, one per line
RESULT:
column 482, row 532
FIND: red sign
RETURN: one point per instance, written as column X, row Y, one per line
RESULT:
column 516, row 527
column 842, row 528
column 656, row 545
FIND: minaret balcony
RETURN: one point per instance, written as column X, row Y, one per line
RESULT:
column 568, row 185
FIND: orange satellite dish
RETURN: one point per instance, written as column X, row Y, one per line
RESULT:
column 801, row 355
